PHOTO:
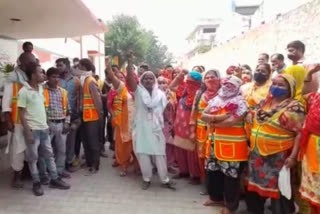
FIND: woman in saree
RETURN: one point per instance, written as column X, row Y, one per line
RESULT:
column 225, row 114
column 298, row 73
column 246, row 74
column 274, row 144
column 186, row 152
column 198, row 127
column 310, row 148
column 123, row 112
column 256, row 91
column 168, row 130
column 149, row 140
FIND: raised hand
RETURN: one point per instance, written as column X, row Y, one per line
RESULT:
column 130, row 57
column 313, row 68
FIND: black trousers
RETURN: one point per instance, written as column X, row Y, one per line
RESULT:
column 79, row 139
column 91, row 143
column 255, row 204
column 110, row 134
column 224, row 188
column 102, row 134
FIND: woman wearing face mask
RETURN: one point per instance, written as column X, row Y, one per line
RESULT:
column 225, row 114
column 208, row 91
column 168, row 130
column 274, row 143
column 199, row 68
column 246, row 74
column 123, row 112
column 186, row 148
column 256, row 91
column 149, row 140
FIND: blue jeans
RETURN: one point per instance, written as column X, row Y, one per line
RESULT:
column 41, row 148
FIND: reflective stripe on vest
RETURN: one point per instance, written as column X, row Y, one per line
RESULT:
column 90, row 112
column 270, row 138
column 15, row 117
column 230, row 144
column 64, row 96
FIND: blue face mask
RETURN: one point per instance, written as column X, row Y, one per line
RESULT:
column 278, row 92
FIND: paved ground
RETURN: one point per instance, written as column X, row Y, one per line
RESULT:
column 104, row 192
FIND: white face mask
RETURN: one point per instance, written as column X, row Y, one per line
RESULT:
column 227, row 91
column 79, row 72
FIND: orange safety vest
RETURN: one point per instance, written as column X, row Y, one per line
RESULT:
column 203, row 143
column 90, row 113
column 15, row 117
column 201, row 129
column 230, row 143
column 64, row 95
column 270, row 138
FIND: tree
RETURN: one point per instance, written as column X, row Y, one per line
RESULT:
column 203, row 48
column 126, row 34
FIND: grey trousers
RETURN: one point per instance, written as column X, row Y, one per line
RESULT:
column 41, row 148
column 58, row 145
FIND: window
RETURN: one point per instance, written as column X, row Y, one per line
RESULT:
column 209, row 30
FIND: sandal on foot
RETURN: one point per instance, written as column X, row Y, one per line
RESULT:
column 169, row 185
column 123, row 173
column 146, row 185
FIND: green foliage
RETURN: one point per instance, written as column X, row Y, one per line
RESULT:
column 126, row 34
column 7, row 68
column 204, row 48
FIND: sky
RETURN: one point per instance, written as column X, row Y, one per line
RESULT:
column 173, row 20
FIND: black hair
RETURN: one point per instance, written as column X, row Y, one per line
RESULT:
column 168, row 66
column 267, row 65
column 266, row 55
column 64, row 61
column 52, row 71
column 278, row 56
column 96, row 76
column 93, row 69
column 203, row 68
column 115, row 66
column 247, row 67
column 85, row 62
column 76, row 59
column 30, row 69
column 199, row 67
column 145, row 67
column 26, row 44
column 297, row 44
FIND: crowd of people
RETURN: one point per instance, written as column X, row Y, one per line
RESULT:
column 233, row 133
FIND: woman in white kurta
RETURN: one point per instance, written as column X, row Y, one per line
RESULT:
column 148, row 137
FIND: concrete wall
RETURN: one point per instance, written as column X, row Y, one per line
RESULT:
column 301, row 23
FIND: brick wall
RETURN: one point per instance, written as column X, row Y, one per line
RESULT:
column 301, row 23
